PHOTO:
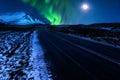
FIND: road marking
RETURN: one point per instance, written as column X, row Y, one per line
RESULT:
column 74, row 61
column 93, row 52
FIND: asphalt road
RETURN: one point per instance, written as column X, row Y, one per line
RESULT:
column 77, row 59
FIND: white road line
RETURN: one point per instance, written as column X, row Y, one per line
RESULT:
column 94, row 41
column 93, row 52
column 75, row 62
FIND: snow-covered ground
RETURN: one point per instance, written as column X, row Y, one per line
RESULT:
column 21, row 56
column 14, row 55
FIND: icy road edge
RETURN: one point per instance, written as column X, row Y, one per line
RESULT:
column 37, row 60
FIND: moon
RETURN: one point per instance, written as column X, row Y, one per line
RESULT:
column 85, row 6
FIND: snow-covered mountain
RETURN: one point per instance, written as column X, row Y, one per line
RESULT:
column 19, row 18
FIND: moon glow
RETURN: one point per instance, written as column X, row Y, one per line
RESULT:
column 85, row 6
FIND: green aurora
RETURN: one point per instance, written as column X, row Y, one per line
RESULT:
column 56, row 11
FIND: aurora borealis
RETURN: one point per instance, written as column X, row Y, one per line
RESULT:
column 56, row 11
column 65, row 11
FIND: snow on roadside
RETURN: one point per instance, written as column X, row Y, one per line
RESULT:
column 21, row 56
column 37, row 60
column 14, row 55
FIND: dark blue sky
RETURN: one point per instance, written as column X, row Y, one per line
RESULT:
column 7, row 6
column 100, row 10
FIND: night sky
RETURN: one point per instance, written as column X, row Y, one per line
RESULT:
column 66, row 11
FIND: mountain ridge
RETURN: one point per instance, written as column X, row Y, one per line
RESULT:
column 19, row 18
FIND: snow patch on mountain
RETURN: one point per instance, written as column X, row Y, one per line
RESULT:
column 19, row 18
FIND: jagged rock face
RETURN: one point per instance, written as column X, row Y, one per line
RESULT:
column 19, row 18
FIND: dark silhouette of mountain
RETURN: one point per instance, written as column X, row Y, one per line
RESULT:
column 2, row 24
column 105, row 25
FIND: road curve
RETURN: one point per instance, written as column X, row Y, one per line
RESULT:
column 77, row 59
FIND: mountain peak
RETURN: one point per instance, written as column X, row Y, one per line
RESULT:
column 19, row 18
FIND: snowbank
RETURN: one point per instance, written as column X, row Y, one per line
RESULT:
column 37, row 60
